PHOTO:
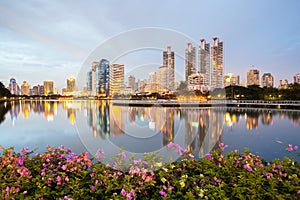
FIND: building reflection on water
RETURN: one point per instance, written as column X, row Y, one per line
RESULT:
column 201, row 127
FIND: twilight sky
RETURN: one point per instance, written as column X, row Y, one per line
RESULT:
column 50, row 40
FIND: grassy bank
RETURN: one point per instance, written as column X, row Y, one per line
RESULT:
column 60, row 174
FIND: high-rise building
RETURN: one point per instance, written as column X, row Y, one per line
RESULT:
column 162, row 79
column 141, row 84
column 116, row 73
column 102, row 78
column 131, row 83
column 267, row 80
column 253, row 77
column 217, row 63
column 37, row 90
column 48, row 88
column 231, row 79
column 91, row 79
column 71, row 87
column 25, row 88
column 169, row 62
column 283, row 84
column 152, row 85
column 190, row 61
column 204, row 61
column 297, row 78
column 14, row 87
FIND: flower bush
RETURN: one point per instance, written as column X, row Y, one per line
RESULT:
column 58, row 173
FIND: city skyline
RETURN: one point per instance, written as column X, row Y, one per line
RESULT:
column 40, row 41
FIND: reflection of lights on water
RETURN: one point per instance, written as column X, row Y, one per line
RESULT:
column 195, row 124
column 228, row 119
column 152, row 125
column 14, row 119
column 72, row 118
column 233, row 118
column 142, row 117
column 50, row 118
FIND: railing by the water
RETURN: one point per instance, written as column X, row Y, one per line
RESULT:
column 265, row 103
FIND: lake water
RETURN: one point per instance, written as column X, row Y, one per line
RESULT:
column 89, row 125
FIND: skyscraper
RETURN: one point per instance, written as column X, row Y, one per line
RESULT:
column 91, row 79
column 116, row 73
column 217, row 63
column 190, row 61
column 230, row 79
column 297, row 78
column 25, row 88
column 162, row 79
column 131, row 83
column 102, row 78
column 168, row 61
column 252, row 77
column 267, row 80
column 283, row 84
column 71, row 87
column 48, row 88
column 152, row 85
column 13, row 87
column 204, row 61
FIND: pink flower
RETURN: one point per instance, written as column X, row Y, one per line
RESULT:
column 163, row 193
column 296, row 148
column 279, row 166
column 170, row 145
column 136, row 162
column 123, row 154
column 170, row 188
column 64, row 167
column 123, row 192
column 208, row 156
column 58, row 180
column 290, row 147
column 92, row 187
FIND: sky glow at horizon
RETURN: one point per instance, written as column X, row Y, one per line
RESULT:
column 50, row 40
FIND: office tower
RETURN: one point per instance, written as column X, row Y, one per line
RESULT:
column 168, row 61
column 48, row 88
column 131, row 83
column 25, row 88
column 204, row 61
column 152, row 85
column 37, row 90
column 71, row 87
column 297, row 78
column 252, row 77
column 116, row 73
column 231, row 79
column 13, row 87
column 190, row 61
column 283, row 84
column 162, row 79
column 91, row 79
column 267, row 80
column 102, row 78
column 217, row 63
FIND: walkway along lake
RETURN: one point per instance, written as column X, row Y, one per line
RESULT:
column 88, row 125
